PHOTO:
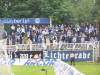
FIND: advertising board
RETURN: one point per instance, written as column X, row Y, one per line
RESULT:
column 82, row 55
column 28, row 54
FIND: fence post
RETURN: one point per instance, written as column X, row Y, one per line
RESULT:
column 99, row 48
column 93, row 52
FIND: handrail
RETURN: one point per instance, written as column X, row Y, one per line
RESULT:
column 59, row 46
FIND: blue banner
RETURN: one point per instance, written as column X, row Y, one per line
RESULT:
column 84, row 55
column 25, row 20
column 41, row 62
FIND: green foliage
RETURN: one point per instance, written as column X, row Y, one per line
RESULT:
column 98, row 10
column 61, row 11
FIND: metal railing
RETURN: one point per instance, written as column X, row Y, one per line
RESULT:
column 95, row 46
column 63, row 46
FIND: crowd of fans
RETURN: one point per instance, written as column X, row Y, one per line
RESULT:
column 38, row 34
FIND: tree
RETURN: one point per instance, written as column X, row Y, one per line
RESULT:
column 21, row 10
column 61, row 11
column 98, row 9
column 82, row 11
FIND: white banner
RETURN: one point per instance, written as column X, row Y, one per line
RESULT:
column 29, row 62
column 62, row 68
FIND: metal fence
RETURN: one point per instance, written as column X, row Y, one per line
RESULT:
column 95, row 46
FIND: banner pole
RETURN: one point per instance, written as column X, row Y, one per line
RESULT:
column 93, row 53
column 50, row 21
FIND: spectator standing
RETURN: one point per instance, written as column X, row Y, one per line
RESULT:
column 72, row 58
column 13, row 38
column 26, row 28
column 19, row 29
column 47, row 42
column 4, row 35
column 13, row 28
column 23, row 30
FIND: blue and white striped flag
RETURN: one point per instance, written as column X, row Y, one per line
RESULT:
column 62, row 68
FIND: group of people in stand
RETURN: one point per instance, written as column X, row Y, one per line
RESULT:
column 55, row 34
column 38, row 34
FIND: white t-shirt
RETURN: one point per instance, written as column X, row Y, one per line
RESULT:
column 13, row 27
column 82, row 40
column 54, row 43
column 23, row 30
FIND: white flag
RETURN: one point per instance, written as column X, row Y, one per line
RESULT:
column 62, row 68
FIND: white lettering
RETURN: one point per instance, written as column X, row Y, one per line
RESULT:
column 76, row 55
column 31, row 56
column 63, row 55
column 84, row 55
column 67, row 55
column 45, row 54
column 54, row 55
column 80, row 55
column 59, row 55
column 88, row 56
column 24, row 56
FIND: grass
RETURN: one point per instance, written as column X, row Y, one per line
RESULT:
column 32, row 70
column 89, row 68
column 86, row 68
